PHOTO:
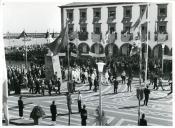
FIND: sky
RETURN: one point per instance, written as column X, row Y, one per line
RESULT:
column 32, row 16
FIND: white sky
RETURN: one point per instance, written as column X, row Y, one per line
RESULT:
column 32, row 16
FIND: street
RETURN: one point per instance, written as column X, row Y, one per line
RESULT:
column 121, row 109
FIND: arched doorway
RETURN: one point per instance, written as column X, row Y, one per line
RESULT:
column 157, row 51
column 97, row 48
column 83, row 48
column 111, row 50
column 125, row 49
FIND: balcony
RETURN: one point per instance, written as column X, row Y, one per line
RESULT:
column 83, row 36
column 96, row 37
column 82, row 20
column 125, row 37
column 111, row 38
column 161, row 37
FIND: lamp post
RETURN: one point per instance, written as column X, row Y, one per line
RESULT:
column 100, row 69
column 163, row 46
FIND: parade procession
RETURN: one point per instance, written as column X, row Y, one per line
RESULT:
column 110, row 65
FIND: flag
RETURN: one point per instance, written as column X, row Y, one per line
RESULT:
column 135, row 47
column 141, row 20
column 22, row 35
column 60, row 42
column 106, row 37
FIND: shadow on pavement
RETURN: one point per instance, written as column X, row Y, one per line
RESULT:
column 129, row 107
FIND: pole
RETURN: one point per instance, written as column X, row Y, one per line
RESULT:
column 68, row 61
column 162, row 58
column 100, row 99
column 140, row 74
column 25, row 51
column 147, row 50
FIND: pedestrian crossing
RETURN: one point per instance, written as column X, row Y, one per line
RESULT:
column 120, row 109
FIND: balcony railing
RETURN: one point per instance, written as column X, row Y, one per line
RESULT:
column 83, row 36
column 96, row 37
column 125, row 37
column 111, row 37
column 161, row 37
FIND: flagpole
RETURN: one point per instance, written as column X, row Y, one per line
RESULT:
column 140, row 74
column 147, row 50
column 68, row 61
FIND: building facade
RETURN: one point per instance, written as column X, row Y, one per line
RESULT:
column 106, row 27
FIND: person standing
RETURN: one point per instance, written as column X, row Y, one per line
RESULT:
column 123, row 76
column 50, row 87
column 20, row 106
column 83, row 116
column 90, row 82
column 129, row 84
column 53, row 110
column 143, row 121
column 146, row 92
column 58, row 84
column 160, row 84
column 42, row 87
column 79, row 101
column 155, row 81
column 37, row 83
column 95, row 84
column 115, row 85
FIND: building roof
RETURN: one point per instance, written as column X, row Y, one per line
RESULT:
column 82, row 4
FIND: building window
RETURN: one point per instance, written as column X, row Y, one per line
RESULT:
column 142, row 10
column 70, row 28
column 83, row 13
column 111, row 12
column 162, row 10
column 83, row 28
column 97, row 28
column 127, row 11
column 162, row 27
column 97, row 13
column 70, row 14
column 111, row 28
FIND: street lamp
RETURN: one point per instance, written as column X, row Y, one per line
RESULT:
column 100, row 69
column 163, row 46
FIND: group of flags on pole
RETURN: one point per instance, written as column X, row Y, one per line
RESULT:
column 136, row 30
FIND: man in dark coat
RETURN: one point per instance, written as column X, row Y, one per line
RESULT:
column 21, row 107
column 155, row 82
column 90, row 82
column 53, row 110
column 83, row 116
column 143, row 122
column 129, row 84
column 115, row 85
column 37, row 83
column 95, row 84
column 146, row 92
column 58, row 84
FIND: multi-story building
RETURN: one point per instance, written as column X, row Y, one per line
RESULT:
column 106, row 27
